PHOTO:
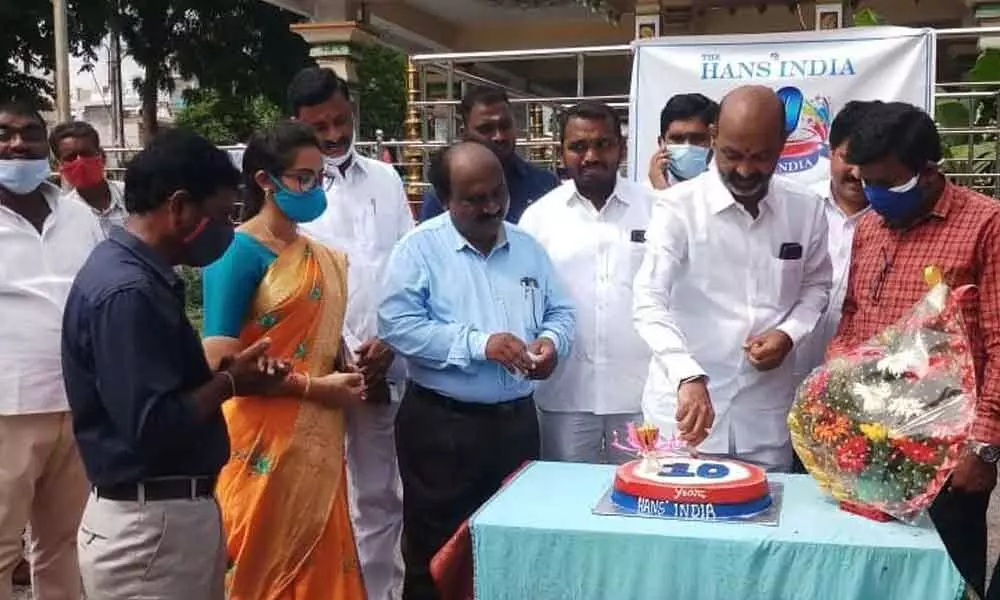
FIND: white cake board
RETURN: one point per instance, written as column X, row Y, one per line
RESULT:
column 770, row 517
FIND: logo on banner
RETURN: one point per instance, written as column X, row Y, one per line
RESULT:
column 807, row 122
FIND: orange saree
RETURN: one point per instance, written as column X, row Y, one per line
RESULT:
column 284, row 491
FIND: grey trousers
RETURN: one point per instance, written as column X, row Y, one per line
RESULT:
column 162, row 550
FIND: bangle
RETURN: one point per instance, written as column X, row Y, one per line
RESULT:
column 305, row 392
column 232, row 383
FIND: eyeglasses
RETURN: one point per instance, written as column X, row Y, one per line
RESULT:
column 305, row 181
column 875, row 294
column 28, row 133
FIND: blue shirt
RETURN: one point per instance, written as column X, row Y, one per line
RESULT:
column 229, row 285
column 525, row 183
column 443, row 299
column 130, row 363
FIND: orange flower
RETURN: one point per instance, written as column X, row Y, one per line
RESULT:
column 831, row 429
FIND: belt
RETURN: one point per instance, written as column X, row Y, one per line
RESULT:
column 151, row 490
column 466, row 407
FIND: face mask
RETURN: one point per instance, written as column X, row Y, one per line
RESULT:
column 687, row 161
column 335, row 162
column 84, row 172
column 300, row 207
column 207, row 243
column 896, row 203
column 23, row 175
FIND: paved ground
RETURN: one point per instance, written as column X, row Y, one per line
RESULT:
column 994, row 521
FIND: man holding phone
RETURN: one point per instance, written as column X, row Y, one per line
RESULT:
column 684, row 144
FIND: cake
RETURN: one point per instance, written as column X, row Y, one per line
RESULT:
column 690, row 488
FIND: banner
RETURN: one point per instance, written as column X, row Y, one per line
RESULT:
column 815, row 73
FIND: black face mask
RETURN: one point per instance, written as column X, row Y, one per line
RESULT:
column 207, row 243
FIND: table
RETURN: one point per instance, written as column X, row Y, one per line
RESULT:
column 538, row 539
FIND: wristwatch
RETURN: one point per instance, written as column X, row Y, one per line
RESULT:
column 988, row 453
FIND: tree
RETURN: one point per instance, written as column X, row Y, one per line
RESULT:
column 28, row 44
column 382, row 88
column 239, row 48
column 225, row 120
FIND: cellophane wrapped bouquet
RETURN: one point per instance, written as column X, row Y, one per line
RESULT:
column 882, row 427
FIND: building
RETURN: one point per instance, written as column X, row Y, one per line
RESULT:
column 461, row 26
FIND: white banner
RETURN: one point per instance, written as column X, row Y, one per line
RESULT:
column 814, row 72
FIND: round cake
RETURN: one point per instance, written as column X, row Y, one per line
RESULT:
column 691, row 488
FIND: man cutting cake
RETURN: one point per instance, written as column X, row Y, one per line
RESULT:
column 736, row 272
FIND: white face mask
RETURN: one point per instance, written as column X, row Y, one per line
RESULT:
column 335, row 162
column 23, row 175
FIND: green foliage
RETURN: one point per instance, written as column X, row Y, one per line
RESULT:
column 382, row 91
column 192, row 291
column 225, row 120
column 240, row 48
column 867, row 17
column 28, row 43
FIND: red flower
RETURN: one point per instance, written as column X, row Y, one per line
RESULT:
column 918, row 452
column 816, row 384
column 853, row 454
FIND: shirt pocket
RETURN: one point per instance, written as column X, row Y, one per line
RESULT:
column 625, row 260
column 532, row 304
column 787, row 280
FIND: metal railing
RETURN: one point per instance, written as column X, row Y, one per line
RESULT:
column 976, row 165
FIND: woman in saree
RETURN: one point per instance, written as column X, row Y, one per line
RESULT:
column 283, row 493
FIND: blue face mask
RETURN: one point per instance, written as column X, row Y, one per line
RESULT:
column 687, row 161
column 21, row 176
column 300, row 207
column 895, row 204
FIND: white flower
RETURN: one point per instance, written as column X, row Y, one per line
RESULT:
column 907, row 408
column 874, row 397
column 911, row 359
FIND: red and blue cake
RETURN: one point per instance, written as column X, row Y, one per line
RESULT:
column 682, row 487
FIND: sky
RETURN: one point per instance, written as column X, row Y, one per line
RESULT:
column 98, row 78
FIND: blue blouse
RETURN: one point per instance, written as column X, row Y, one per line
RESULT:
column 230, row 283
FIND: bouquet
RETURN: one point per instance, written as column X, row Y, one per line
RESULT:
column 882, row 427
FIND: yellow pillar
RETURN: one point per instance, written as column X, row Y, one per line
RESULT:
column 412, row 155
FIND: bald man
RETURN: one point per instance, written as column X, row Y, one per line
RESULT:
column 475, row 307
column 736, row 272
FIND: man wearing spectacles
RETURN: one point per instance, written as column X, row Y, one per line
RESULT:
column 44, row 241
column 921, row 219
column 367, row 213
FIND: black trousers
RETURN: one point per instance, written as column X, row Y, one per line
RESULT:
column 453, row 456
column 961, row 520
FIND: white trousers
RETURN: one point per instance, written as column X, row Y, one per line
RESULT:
column 162, row 550
column 376, row 496
column 584, row 437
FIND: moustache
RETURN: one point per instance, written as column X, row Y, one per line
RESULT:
column 489, row 217
column 744, row 181
column 341, row 144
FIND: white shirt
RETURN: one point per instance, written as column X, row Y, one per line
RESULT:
column 712, row 278
column 840, row 227
column 114, row 215
column 367, row 213
column 36, row 272
column 596, row 258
